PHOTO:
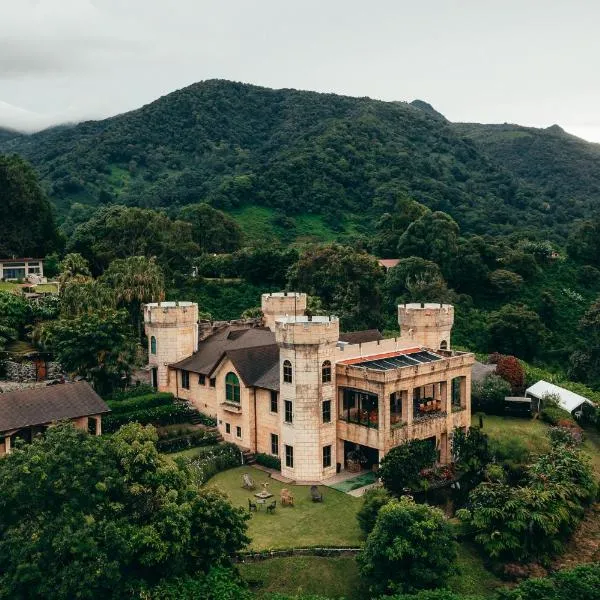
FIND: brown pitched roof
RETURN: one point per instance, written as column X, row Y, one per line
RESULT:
column 211, row 350
column 480, row 371
column 258, row 367
column 360, row 337
column 38, row 406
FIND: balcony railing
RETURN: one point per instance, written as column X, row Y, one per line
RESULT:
column 361, row 417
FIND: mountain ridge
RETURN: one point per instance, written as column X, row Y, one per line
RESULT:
column 296, row 152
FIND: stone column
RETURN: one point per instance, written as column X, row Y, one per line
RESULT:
column 7, row 445
column 99, row 425
column 407, row 406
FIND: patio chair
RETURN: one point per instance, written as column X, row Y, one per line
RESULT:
column 248, row 482
column 315, row 494
column 271, row 507
column 286, row 498
column 252, row 506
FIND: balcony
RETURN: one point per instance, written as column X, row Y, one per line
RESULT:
column 360, row 408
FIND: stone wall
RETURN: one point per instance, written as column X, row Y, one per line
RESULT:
column 26, row 371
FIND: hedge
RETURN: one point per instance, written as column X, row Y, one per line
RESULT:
column 554, row 414
column 200, row 437
column 220, row 458
column 141, row 402
column 159, row 415
column 268, row 460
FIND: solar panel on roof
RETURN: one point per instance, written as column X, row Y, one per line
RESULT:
column 400, row 360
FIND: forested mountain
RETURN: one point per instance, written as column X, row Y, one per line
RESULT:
column 8, row 134
column 564, row 167
column 235, row 145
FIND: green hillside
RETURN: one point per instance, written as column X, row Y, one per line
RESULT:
column 296, row 153
column 565, row 168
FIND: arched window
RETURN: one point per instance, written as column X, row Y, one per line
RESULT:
column 326, row 372
column 232, row 388
column 443, row 345
column 287, row 371
column 152, row 345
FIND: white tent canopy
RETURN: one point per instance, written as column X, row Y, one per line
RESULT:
column 567, row 400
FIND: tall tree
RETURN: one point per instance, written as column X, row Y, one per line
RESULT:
column 94, row 517
column 120, row 232
column 346, row 281
column 135, row 280
column 27, row 225
column 73, row 266
column 212, row 229
column 97, row 345
column 433, row 236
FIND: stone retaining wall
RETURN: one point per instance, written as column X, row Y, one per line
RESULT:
column 26, row 371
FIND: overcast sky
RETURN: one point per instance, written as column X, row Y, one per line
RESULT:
column 532, row 62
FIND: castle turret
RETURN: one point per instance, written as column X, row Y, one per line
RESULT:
column 282, row 304
column 307, row 390
column 426, row 324
column 172, row 330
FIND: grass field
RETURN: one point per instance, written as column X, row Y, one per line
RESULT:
column 532, row 434
column 9, row 286
column 329, row 523
column 339, row 577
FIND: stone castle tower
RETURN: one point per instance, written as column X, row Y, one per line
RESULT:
column 305, row 345
column 282, row 304
column 172, row 330
column 426, row 324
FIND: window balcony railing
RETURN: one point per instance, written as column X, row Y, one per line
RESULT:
column 422, row 418
column 361, row 417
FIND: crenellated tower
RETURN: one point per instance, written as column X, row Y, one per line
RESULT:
column 172, row 330
column 307, row 391
column 282, row 304
column 426, row 324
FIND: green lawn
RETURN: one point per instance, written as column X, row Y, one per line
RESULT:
column 9, row 286
column 329, row 523
column 532, row 433
column 339, row 577
column 330, row 577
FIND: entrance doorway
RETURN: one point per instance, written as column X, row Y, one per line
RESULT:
column 155, row 378
column 359, row 457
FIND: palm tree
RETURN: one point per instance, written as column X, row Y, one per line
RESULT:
column 135, row 281
column 73, row 266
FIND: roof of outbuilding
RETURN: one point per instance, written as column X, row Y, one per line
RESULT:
column 567, row 399
column 38, row 406
column 481, row 370
column 361, row 337
column 211, row 350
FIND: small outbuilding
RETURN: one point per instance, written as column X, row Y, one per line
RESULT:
column 27, row 413
column 567, row 400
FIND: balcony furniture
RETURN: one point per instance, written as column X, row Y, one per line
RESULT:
column 271, row 507
column 248, row 482
column 252, row 506
column 315, row 494
column 286, row 498
column 260, row 502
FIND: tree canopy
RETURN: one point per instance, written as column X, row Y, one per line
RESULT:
column 95, row 517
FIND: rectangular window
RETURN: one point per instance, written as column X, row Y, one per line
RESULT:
column 227, row 428
column 289, row 415
column 326, row 411
column 326, row 456
column 213, row 382
column 274, row 402
column 202, row 379
column 185, row 380
column 275, row 444
column 289, row 457
column 238, row 432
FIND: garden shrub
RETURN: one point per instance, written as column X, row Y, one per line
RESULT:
column 140, row 402
column 411, row 547
column 199, row 437
column 488, row 395
column 579, row 583
column 553, row 414
column 534, row 520
column 217, row 459
column 373, row 500
column 566, row 435
column 177, row 412
column 511, row 370
column 269, row 461
column 401, row 467
column 471, row 450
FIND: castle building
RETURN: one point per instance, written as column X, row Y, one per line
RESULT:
column 293, row 386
